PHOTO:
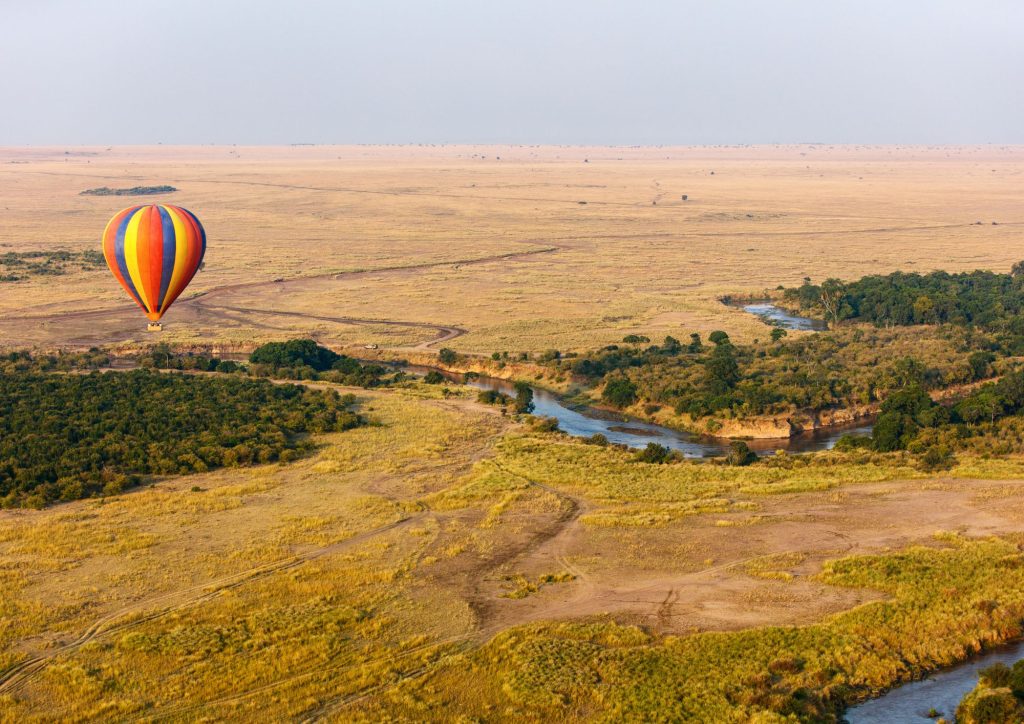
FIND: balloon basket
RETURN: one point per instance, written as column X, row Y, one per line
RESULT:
column 154, row 327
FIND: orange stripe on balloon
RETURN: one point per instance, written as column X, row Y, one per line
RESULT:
column 142, row 242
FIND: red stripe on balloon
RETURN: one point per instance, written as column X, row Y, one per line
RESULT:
column 155, row 269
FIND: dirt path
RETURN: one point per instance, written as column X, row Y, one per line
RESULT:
column 200, row 302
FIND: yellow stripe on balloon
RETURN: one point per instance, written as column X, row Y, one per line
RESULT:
column 131, row 256
column 180, row 254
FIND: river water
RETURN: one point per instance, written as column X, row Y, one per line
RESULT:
column 587, row 421
column 770, row 314
column 942, row 691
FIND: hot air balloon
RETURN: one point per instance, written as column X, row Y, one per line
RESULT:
column 154, row 251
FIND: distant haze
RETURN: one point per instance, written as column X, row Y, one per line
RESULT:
column 522, row 71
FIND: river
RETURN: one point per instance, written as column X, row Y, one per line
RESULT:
column 908, row 703
column 776, row 317
column 941, row 691
column 587, row 421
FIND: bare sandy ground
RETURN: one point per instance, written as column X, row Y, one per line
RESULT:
column 721, row 583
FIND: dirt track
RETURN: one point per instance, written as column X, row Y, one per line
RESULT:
column 200, row 302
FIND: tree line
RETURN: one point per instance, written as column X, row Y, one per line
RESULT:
column 983, row 299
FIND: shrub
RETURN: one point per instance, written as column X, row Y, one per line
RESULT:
column 619, row 391
column 493, row 397
column 740, row 454
column 654, row 453
column 545, row 424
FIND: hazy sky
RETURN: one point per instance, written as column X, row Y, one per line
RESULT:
column 511, row 71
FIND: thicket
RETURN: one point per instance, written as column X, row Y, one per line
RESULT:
column 297, row 359
column 911, row 420
column 304, row 359
column 844, row 368
column 133, row 191
column 982, row 299
column 70, row 436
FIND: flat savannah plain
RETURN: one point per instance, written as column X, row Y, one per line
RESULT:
column 499, row 248
column 450, row 561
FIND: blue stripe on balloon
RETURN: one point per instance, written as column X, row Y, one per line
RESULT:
column 119, row 255
column 168, row 255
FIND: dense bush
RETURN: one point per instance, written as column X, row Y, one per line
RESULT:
column 740, row 454
column 524, row 398
column 843, row 368
column 64, row 437
column 304, row 359
column 493, row 397
column 619, row 391
column 980, row 298
column 295, row 353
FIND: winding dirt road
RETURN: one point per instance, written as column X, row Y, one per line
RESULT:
column 201, row 302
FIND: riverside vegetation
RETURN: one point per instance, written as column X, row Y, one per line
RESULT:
column 381, row 628
column 998, row 697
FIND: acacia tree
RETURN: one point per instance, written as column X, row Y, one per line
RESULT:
column 832, row 293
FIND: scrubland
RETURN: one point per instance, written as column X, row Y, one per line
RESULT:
column 449, row 557
column 447, row 561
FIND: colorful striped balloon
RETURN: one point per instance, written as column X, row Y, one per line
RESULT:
column 154, row 251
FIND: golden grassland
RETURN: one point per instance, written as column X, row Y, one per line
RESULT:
column 448, row 561
column 448, row 557
column 633, row 258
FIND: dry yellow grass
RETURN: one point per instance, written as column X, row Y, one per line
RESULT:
column 766, row 216
column 296, row 590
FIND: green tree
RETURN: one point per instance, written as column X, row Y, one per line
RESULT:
column 654, row 453
column 619, row 391
column 671, row 345
column 722, row 372
column 740, row 454
column 524, row 398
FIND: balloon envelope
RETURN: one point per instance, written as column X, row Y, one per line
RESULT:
column 154, row 251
